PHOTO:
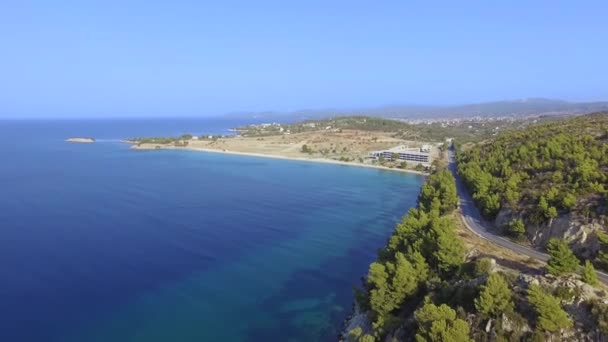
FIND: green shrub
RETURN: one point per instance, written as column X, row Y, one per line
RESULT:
column 516, row 228
column 495, row 296
column 589, row 274
column 566, row 293
column 439, row 323
column 483, row 266
column 550, row 315
column 600, row 313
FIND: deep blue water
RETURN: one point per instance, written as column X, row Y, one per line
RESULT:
column 102, row 243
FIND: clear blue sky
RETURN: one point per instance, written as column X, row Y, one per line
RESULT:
column 189, row 58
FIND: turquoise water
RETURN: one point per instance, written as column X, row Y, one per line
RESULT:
column 103, row 243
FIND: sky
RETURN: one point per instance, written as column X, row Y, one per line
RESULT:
column 204, row 58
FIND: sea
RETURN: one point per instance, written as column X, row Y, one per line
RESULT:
column 99, row 242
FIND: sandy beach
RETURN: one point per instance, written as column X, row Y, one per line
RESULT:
column 148, row 147
column 341, row 147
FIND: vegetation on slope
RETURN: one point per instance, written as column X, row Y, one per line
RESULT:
column 423, row 288
column 423, row 252
column 543, row 172
column 362, row 123
column 437, row 130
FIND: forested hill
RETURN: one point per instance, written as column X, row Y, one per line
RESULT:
column 428, row 284
column 542, row 172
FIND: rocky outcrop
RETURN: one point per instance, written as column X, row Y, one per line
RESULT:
column 583, row 291
column 577, row 306
column 579, row 232
column 358, row 319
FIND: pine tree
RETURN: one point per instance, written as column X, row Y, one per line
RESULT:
column 448, row 248
column 404, row 280
column 440, row 186
column 495, row 296
column 517, row 227
column 380, row 300
column 589, row 275
column 420, row 266
column 562, row 259
column 439, row 324
column 550, row 315
column 390, row 283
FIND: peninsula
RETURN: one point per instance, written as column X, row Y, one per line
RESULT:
column 357, row 141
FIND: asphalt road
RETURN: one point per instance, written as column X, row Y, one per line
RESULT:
column 482, row 228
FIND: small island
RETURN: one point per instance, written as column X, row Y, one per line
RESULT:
column 81, row 140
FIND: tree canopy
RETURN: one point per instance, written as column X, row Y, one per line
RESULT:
column 495, row 296
column 439, row 323
column 516, row 228
column 589, row 275
column 540, row 171
column 550, row 315
column 441, row 188
column 561, row 260
column 423, row 246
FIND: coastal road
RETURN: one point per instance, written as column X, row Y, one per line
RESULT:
column 482, row 228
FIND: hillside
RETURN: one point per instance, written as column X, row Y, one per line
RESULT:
column 430, row 284
column 343, row 139
column 465, row 130
column 545, row 181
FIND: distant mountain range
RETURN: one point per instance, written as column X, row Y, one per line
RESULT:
column 516, row 108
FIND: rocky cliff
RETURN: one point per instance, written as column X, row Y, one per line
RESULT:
column 580, row 232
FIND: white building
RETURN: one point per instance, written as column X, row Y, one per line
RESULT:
column 417, row 155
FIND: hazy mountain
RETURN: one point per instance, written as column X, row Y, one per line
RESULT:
column 532, row 106
column 522, row 107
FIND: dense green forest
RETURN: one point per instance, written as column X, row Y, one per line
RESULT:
column 542, row 171
column 423, row 252
column 423, row 287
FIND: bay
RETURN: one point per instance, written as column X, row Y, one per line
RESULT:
column 99, row 242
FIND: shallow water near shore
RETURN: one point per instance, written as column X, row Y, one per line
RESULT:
column 103, row 243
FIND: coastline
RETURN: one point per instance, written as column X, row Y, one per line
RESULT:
column 356, row 318
column 273, row 156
